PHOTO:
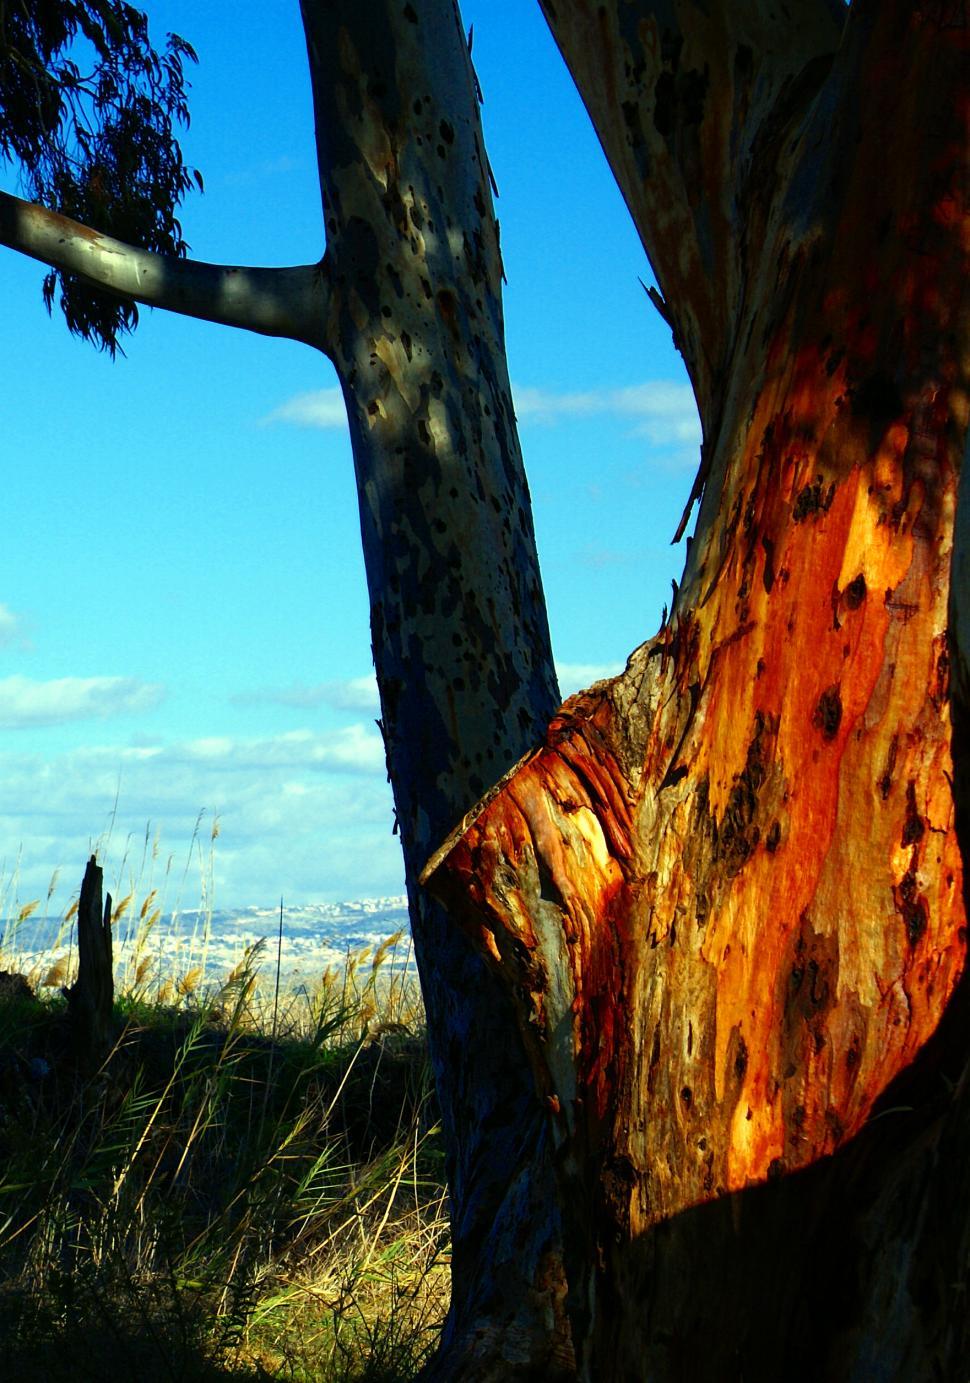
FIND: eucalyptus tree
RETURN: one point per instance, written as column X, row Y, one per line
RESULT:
column 704, row 1095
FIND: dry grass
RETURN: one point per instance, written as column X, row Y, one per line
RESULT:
column 250, row 1187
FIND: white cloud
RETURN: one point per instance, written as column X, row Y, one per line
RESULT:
column 11, row 627
column 321, row 408
column 25, row 702
column 305, row 814
column 662, row 411
column 350, row 694
column 351, row 749
column 574, row 677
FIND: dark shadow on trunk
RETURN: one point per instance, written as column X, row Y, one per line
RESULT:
column 854, row 1269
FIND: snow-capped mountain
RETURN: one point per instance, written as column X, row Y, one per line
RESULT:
column 314, row 936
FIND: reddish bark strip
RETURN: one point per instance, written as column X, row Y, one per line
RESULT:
column 727, row 892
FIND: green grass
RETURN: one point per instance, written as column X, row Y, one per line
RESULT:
column 246, row 1189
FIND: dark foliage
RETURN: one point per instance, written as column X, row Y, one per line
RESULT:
column 88, row 111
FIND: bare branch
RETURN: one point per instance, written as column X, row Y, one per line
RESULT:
column 290, row 302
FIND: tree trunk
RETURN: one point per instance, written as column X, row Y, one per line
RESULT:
column 711, row 1082
column 460, row 637
column 726, row 893
column 90, row 999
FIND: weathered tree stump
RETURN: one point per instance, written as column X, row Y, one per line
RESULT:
column 90, row 999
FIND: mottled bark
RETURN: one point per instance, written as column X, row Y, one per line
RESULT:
column 714, row 1068
column 407, row 303
column 460, row 638
column 726, row 892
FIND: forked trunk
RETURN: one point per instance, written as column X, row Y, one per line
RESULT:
column 726, row 894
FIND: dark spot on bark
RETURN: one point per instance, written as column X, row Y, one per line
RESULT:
column 886, row 781
column 673, row 776
column 768, row 575
column 741, row 1059
column 913, row 827
column 654, row 1061
column 692, row 90
column 690, row 1037
column 911, row 905
column 738, row 834
column 878, row 399
column 373, row 408
column 854, row 1055
column 410, row 15
column 827, row 715
column 812, row 500
column 835, row 1125
column 447, row 311
column 618, row 1182
column 679, row 100
column 549, row 890
column 776, row 1168
column 447, row 132
column 687, row 1095
column 809, row 992
column 855, row 592
column 939, row 693
column 773, row 839
column 798, row 1116
column 406, row 343
column 423, row 433
column 834, row 361
column 759, row 667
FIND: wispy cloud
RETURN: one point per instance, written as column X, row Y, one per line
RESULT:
column 661, row 410
column 350, row 749
column 321, row 408
column 355, row 694
column 25, row 702
column 11, row 628
column 574, row 677
column 265, row 168
column 359, row 694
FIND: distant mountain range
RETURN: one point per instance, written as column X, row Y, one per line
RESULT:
column 315, row 936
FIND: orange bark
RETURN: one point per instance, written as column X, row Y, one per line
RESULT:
column 727, row 891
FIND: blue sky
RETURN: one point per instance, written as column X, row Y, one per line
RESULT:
column 183, row 616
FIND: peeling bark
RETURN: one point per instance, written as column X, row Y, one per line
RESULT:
column 727, row 893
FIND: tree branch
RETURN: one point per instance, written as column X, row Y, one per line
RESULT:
column 290, row 302
column 680, row 94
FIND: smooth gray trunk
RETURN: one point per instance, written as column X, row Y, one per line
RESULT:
column 460, row 638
